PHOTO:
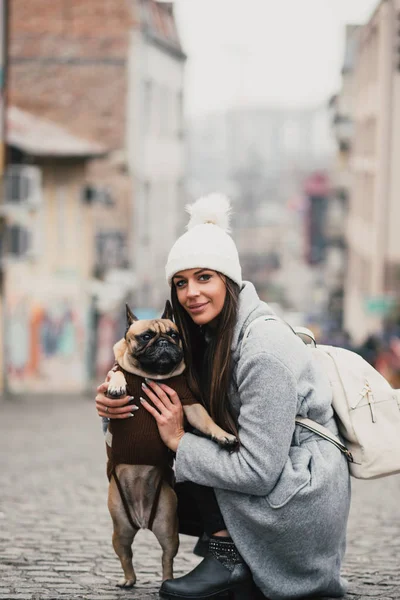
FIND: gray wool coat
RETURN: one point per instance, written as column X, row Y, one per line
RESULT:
column 285, row 494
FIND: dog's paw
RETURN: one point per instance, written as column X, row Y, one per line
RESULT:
column 116, row 392
column 228, row 442
column 126, row 583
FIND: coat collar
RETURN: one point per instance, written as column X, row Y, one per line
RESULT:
column 250, row 308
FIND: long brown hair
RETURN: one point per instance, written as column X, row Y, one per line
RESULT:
column 218, row 353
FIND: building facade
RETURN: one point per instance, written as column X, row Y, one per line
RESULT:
column 373, row 280
column 107, row 76
column 342, row 119
column 155, row 141
column 47, row 256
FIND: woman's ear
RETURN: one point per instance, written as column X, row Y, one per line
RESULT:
column 168, row 312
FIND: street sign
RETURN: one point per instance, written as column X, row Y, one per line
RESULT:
column 379, row 305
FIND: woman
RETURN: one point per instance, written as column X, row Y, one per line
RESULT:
column 276, row 509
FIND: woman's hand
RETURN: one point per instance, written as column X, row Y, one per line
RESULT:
column 111, row 408
column 169, row 413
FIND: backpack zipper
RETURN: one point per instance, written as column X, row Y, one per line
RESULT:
column 366, row 392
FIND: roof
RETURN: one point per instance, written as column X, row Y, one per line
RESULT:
column 41, row 137
column 159, row 23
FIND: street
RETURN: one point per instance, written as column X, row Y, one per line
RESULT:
column 55, row 530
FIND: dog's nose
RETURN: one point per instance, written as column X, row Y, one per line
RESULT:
column 162, row 342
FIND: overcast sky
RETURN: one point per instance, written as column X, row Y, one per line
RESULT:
column 264, row 52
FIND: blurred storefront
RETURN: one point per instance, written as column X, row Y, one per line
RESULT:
column 47, row 256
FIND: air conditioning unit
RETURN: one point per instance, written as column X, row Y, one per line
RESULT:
column 18, row 242
column 23, row 186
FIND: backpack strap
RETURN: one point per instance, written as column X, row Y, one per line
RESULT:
column 302, row 421
column 258, row 320
column 324, row 433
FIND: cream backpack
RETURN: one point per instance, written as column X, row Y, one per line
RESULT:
column 366, row 407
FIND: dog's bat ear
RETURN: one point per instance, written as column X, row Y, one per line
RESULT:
column 130, row 317
column 168, row 312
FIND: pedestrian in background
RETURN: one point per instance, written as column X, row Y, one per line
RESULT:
column 276, row 509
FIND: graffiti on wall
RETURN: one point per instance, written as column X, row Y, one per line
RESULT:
column 45, row 345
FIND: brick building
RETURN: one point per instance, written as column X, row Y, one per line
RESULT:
column 93, row 70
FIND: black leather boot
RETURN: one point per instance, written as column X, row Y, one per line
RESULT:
column 222, row 570
column 201, row 547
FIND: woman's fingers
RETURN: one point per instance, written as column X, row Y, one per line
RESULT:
column 103, row 387
column 158, row 392
column 173, row 396
column 157, row 396
column 113, row 416
column 116, row 409
column 158, row 417
column 168, row 416
column 113, row 410
column 113, row 403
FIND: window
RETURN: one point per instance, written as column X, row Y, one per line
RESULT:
column 18, row 240
column 145, row 214
column 179, row 114
column 62, row 226
column 148, row 93
column 110, row 249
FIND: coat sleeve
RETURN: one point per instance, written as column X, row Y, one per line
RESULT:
column 268, row 395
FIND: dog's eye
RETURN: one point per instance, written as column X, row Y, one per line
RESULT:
column 174, row 335
column 146, row 337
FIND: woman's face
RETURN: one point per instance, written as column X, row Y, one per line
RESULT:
column 202, row 294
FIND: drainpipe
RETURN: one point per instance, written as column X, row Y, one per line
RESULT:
column 4, row 36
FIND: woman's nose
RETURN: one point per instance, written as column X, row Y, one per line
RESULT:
column 192, row 290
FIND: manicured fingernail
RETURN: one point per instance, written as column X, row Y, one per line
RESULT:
column 142, row 400
column 132, row 400
column 134, row 408
column 131, row 397
column 144, row 386
column 131, row 415
column 147, row 380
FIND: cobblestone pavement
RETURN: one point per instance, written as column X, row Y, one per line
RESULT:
column 55, row 530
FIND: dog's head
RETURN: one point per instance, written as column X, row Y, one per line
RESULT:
column 153, row 346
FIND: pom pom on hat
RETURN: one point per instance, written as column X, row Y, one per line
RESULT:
column 207, row 243
column 214, row 209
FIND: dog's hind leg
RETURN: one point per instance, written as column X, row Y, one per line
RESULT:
column 165, row 528
column 122, row 543
column 123, row 536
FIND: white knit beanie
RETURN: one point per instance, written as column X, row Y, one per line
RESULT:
column 207, row 243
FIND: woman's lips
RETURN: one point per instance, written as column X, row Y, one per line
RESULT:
column 197, row 308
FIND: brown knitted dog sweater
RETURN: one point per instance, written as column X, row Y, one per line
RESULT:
column 137, row 441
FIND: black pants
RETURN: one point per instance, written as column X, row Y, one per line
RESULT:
column 198, row 510
column 199, row 513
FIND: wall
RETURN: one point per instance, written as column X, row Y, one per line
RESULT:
column 47, row 302
column 45, row 336
column 369, row 204
column 156, row 158
column 78, row 48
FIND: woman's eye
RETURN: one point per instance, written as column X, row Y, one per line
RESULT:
column 205, row 277
column 180, row 283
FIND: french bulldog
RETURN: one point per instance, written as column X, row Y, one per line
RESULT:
column 141, row 494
